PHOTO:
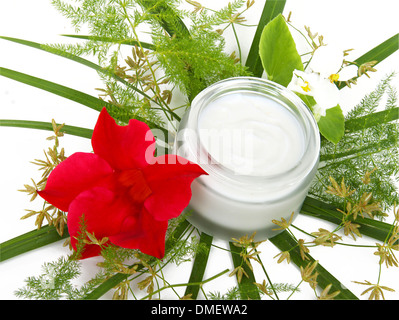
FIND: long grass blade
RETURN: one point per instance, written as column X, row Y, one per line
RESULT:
column 285, row 242
column 30, row 241
column 72, row 130
column 378, row 54
column 60, row 90
column 246, row 285
column 199, row 266
column 75, row 58
column 373, row 228
column 73, row 95
column 371, row 120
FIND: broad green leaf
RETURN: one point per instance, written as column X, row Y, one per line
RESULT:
column 278, row 52
column 332, row 125
column 271, row 10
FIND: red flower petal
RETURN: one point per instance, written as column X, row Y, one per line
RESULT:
column 170, row 180
column 77, row 173
column 145, row 234
column 104, row 213
column 123, row 147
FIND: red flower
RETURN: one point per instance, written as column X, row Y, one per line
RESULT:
column 124, row 192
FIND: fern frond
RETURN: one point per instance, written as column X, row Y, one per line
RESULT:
column 371, row 147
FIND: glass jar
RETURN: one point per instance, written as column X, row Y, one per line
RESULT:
column 279, row 140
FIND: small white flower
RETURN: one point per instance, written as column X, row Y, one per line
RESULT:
column 321, row 89
column 328, row 61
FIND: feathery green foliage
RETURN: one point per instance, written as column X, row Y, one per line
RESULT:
column 365, row 148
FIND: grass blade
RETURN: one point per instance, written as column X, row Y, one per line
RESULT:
column 60, row 90
column 271, row 10
column 199, row 266
column 75, row 131
column 373, row 228
column 285, row 242
column 30, row 241
column 379, row 53
column 371, row 120
column 247, row 287
column 75, row 58
column 73, row 95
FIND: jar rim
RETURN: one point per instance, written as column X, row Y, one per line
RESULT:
column 268, row 89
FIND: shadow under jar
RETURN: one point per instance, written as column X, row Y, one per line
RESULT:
column 259, row 144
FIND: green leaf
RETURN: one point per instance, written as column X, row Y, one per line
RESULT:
column 369, row 227
column 199, row 266
column 373, row 119
column 30, row 241
column 379, row 53
column 285, row 242
column 247, row 287
column 72, row 130
column 77, row 59
column 73, row 95
column 271, row 10
column 332, row 125
column 60, row 90
column 278, row 52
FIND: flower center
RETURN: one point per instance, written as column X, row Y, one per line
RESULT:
column 306, row 87
column 136, row 184
column 334, row 77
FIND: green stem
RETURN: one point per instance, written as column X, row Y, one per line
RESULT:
column 200, row 283
column 267, row 275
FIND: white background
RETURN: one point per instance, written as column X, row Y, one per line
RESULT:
column 357, row 24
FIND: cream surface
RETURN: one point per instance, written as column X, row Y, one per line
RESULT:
column 251, row 134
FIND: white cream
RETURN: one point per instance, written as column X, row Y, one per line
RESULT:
column 259, row 144
column 251, row 134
